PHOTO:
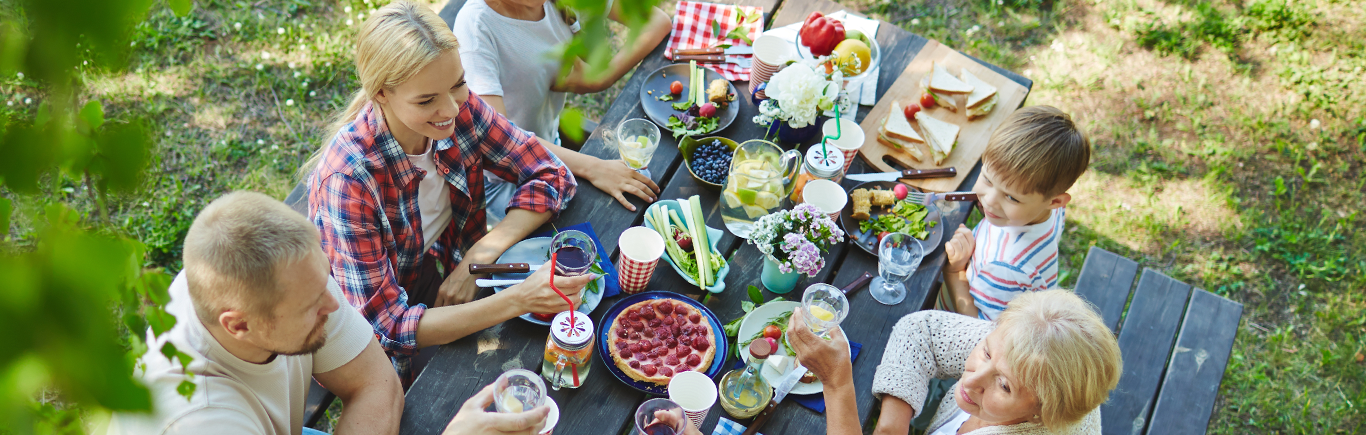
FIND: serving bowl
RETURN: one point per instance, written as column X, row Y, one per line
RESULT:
column 686, row 147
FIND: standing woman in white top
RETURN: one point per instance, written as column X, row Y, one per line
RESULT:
column 1043, row 367
column 508, row 48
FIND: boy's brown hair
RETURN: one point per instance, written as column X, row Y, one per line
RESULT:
column 1039, row 150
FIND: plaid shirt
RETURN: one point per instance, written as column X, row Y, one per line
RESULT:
column 363, row 198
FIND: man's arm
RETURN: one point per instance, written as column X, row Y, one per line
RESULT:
column 370, row 389
column 610, row 176
column 656, row 30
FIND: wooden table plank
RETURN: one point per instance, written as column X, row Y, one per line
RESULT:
column 1106, row 280
column 1186, row 400
column 1145, row 340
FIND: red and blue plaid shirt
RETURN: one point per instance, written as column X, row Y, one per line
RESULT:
column 363, row 198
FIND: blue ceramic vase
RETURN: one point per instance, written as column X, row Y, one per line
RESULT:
column 775, row 280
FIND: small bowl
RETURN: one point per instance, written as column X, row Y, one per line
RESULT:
column 874, row 59
column 713, row 236
column 686, row 148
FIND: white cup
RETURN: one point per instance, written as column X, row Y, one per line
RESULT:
column 851, row 138
column 695, row 393
column 826, row 195
column 551, row 418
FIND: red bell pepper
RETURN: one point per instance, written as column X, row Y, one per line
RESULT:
column 821, row 33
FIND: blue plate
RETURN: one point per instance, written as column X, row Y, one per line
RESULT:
column 717, row 364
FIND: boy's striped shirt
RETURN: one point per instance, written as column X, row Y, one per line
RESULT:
column 1008, row 261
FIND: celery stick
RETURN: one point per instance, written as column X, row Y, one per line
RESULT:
column 700, row 236
column 699, row 249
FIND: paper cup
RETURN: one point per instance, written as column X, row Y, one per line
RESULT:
column 695, row 393
column 552, row 418
column 826, row 195
column 640, row 250
column 851, row 138
column 770, row 54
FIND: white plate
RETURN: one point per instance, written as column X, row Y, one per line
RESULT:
column 754, row 323
column 537, row 251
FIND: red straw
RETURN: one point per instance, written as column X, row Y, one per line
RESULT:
column 572, row 367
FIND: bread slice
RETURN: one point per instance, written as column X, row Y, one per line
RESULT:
column 891, row 140
column 898, row 127
column 983, row 98
column 942, row 81
column 940, row 135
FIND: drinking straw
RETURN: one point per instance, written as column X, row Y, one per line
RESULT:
column 573, row 368
column 838, row 132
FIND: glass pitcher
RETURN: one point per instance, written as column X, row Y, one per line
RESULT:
column 761, row 175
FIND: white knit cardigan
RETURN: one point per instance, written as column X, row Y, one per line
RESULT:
column 936, row 344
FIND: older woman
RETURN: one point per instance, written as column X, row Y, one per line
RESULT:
column 1043, row 367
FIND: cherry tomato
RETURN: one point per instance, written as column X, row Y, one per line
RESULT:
column 926, row 100
column 772, row 331
column 911, row 110
column 675, row 88
column 881, row 235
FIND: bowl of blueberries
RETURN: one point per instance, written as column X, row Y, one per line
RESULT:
column 708, row 159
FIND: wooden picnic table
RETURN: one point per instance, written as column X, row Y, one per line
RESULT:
column 606, row 405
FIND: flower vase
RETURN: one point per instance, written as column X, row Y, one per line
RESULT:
column 775, row 280
column 796, row 136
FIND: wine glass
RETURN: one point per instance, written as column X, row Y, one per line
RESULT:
column 824, row 307
column 575, row 251
column 636, row 140
column 518, row 390
column 660, row 417
column 898, row 256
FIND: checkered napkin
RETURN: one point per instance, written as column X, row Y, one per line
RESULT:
column 611, row 279
column 693, row 28
column 726, row 427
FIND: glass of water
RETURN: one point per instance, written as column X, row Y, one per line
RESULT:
column 518, row 390
column 824, row 307
column 898, row 256
column 636, row 140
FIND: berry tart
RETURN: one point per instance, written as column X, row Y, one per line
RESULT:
column 654, row 339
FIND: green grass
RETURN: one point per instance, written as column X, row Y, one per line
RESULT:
column 1207, row 163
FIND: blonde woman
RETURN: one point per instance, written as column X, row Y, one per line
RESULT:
column 397, row 192
column 1042, row 368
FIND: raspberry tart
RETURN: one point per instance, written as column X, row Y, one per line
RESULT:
column 654, row 339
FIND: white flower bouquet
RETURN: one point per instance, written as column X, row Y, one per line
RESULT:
column 800, row 93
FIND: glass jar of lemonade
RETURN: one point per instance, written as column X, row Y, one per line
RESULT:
column 761, row 175
column 568, row 351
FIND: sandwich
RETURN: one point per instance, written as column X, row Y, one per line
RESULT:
column 943, row 86
column 940, row 135
column 983, row 97
column 897, row 133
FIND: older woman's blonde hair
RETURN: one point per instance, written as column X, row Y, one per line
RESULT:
column 1061, row 350
column 394, row 44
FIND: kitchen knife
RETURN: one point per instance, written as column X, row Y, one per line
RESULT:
column 908, row 173
column 734, row 50
column 479, row 269
column 788, row 381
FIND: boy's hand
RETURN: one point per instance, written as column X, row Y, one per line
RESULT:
column 959, row 249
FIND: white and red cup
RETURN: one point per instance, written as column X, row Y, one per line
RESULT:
column 640, row 249
column 771, row 53
column 552, row 418
column 826, row 195
column 695, row 393
column 850, row 138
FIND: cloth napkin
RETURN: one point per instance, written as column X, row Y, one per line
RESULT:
column 726, row 427
column 866, row 92
column 613, row 287
column 815, row 402
column 693, row 29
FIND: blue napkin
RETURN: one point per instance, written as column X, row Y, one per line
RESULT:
column 724, row 426
column 816, row 402
column 613, row 287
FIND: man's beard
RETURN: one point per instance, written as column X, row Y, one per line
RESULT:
column 315, row 340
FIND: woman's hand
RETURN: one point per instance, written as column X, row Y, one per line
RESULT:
column 458, row 287
column 473, row 420
column 617, row 179
column 827, row 359
column 535, row 295
column 672, row 418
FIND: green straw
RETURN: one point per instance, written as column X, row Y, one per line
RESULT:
column 838, row 131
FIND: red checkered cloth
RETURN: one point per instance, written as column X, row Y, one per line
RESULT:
column 633, row 275
column 693, row 29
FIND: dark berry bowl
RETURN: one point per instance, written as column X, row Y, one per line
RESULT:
column 707, row 160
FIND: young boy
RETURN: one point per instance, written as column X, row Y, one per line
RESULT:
column 1028, row 166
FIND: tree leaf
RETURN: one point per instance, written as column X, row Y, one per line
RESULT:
column 181, row 7
column 747, row 306
column 5, row 208
column 93, row 114
column 571, row 124
column 715, row 28
column 186, row 389
column 756, row 295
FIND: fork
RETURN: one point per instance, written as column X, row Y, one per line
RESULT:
column 927, row 198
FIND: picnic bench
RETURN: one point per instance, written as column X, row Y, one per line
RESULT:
column 1192, row 369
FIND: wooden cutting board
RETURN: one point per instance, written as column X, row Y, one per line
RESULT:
column 973, row 136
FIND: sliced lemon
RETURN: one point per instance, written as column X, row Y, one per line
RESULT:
column 732, row 200
column 755, row 212
column 822, row 313
column 766, row 200
column 746, row 196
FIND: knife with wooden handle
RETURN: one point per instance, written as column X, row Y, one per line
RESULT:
column 479, row 269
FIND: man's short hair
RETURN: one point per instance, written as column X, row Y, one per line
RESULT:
column 1039, row 150
column 235, row 250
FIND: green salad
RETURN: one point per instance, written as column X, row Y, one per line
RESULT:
column 905, row 217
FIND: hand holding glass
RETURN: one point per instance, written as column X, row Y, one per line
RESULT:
column 518, row 390
column 575, row 253
column 825, row 307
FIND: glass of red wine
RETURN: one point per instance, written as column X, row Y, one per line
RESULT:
column 575, row 253
column 660, row 417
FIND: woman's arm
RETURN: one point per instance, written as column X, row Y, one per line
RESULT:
column 655, row 31
column 829, row 361
column 923, row 346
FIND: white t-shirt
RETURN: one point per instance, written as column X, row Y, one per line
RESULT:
column 1009, row 261
column 233, row 396
column 514, row 59
column 951, row 427
column 433, row 198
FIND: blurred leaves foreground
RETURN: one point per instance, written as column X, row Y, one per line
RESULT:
column 74, row 295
